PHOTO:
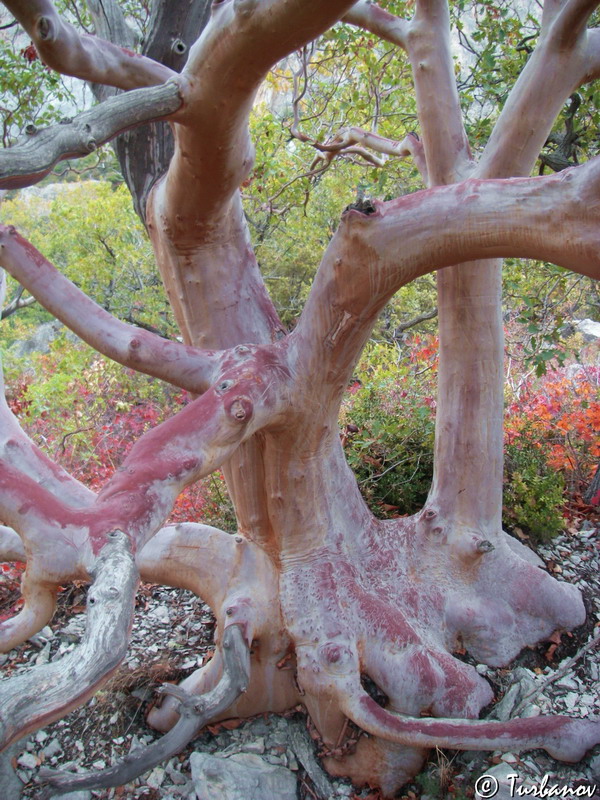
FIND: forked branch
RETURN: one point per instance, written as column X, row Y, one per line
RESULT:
column 194, row 713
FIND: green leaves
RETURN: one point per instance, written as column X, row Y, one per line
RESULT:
column 91, row 233
column 31, row 94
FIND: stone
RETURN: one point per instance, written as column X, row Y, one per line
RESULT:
column 569, row 683
column 495, row 777
column 28, row 761
column 244, row 776
column 589, row 329
column 156, row 778
column 45, row 635
column 53, row 748
column 523, row 684
column 161, row 614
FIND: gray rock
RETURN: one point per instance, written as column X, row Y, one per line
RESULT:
column 53, row 748
column 495, row 777
column 589, row 329
column 40, row 341
column 523, row 684
column 28, row 761
column 241, row 777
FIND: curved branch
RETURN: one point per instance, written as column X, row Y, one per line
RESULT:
column 192, row 556
column 146, row 352
column 357, row 141
column 66, row 50
column 555, row 218
column 370, row 17
column 11, row 546
column 564, row 738
column 194, row 713
column 226, row 66
column 65, row 684
column 39, row 604
column 32, row 158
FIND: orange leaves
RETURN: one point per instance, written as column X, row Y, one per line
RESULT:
column 562, row 409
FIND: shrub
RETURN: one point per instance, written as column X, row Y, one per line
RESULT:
column 533, row 493
column 389, row 424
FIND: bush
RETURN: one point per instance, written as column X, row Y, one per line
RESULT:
column 551, row 448
column 533, row 493
column 389, row 426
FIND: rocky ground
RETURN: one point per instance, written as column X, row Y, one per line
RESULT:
column 275, row 758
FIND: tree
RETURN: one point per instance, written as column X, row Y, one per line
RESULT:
column 311, row 593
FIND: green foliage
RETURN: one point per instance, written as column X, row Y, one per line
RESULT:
column 533, row 491
column 388, row 422
column 540, row 299
column 91, row 233
column 31, row 94
column 389, row 425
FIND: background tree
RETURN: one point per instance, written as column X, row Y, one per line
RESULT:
column 312, row 592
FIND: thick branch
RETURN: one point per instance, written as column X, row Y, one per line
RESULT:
column 372, row 255
column 65, row 684
column 33, row 157
column 183, row 366
column 571, row 22
column 447, row 151
column 369, row 16
column 226, row 66
column 66, row 50
column 195, row 712
column 566, row 53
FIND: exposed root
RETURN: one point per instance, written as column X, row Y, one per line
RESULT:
column 239, row 582
column 65, row 684
column 194, row 713
column 38, row 608
column 564, row 738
